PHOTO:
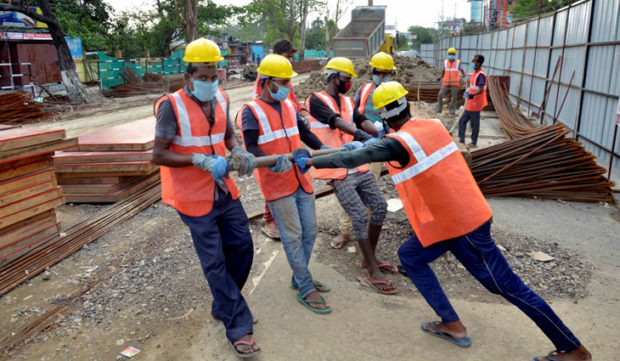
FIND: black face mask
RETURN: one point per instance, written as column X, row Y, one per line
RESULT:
column 343, row 86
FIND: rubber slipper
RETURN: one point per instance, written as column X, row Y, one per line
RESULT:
column 549, row 357
column 383, row 266
column 325, row 288
column 340, row 242
column 459, row 341
column 373, row 284
column 247, row 343
column 314, row 309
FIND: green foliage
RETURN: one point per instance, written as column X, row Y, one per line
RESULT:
column 421, row 35
column 401, row 43
column 473, row 28
column 90, row 20
column 527, row 8
column 211, row 17
column 315, row 35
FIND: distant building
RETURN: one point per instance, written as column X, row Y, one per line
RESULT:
column 496, row 13
column 476, row 11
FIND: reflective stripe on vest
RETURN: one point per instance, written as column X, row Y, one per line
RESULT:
column 268, row 134
column 446, row 65
column 424, row 162
column 366, row 90
column 186, row 139
column 331, row 103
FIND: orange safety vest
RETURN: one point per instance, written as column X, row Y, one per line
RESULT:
column 278, row 135
column 440, row 195
column 479, row 101
column 452, row 73
column 335, row 138
column 364, row 95
column 189, row 189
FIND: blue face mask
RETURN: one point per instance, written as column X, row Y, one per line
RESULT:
column 205, row 90
column 281, row 94
column 451, row 57
column 472, row 65
column 377, row 79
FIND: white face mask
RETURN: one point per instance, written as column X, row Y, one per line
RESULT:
column 205, row 90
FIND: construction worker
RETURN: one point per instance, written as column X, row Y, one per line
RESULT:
column 450, row 81
column 192, row 134
column 448, row 213
column 337, row 123
column 476, row 101
column 286, row 49
column 272, row 126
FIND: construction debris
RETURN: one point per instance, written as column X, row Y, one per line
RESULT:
column 108, row 165
column 29, row 191
column 21, row 108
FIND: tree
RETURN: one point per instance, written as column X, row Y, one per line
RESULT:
column 90, row 20
column 332, row 22
column 421, row 35
column 315, row 38
column 188, row 18
column 528, row 8
column 402, row 43
column 75, row 89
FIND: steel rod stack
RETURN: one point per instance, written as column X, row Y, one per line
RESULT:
column 20, row 108
column 513, row 121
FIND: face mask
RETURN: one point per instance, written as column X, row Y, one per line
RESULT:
column 281, row 94
column 472, row 65
column 377, row 79
column 451, row 57
column 344, row 86
column 205, row 90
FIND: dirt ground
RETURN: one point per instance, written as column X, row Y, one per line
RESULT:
column 141, row 284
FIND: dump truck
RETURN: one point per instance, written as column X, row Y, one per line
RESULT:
column 363, row 35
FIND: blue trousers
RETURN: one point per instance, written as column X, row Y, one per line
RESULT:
column 475, row 125
column 296, row 221
column 224, row 245
column 481, row 257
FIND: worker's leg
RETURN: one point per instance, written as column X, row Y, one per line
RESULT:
column 228, row 304
column 307, row 215
column 237, row 241
column 415, row 259
column 285, row 212
column 463, row 125
column 475, row 127
column 376, row 168
column 454, row 91
column 344, row 227
column 270, row 229
column 479, row 254
column 372, row 198
column 442, row 93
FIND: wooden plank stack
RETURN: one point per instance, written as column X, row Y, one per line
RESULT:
column 108, row 165
column 29, row 191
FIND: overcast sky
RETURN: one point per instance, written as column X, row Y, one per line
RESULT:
column 402, row 13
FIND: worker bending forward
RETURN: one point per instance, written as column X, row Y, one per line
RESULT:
column 271, row 126
column 448, row 213
column 192, row 134
column 335, row 120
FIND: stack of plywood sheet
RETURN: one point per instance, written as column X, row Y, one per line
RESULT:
column 108, row 165
column 29, row 191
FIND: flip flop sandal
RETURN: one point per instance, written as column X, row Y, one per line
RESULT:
column 373, row 284
column 325, row 288
column 314, row 309
column 383, row 266
column 459, row 341
column 246, row 343
column 549, row 357
column 341, row 241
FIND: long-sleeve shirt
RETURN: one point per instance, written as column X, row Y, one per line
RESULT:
column 326, row 115
column 385, row 150
column 249, row 124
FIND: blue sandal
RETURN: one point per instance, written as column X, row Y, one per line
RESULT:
column 549, row 357
column 459, row 341
column 308, row 303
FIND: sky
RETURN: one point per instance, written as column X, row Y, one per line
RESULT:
column 402, row 13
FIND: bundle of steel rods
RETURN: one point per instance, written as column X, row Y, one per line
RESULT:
column 14, row 273
column 428, row 91
column 20, row 108
column 543, row 163
column 513, row 121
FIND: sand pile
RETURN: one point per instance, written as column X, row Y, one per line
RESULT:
column 409, row 70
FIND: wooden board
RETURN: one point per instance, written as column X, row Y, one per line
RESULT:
column 23, row 246
column 29, row 179
column 27, row 228
column 97, row 175
column 10, row 173
column 101, row 157
column 29, row 207
column 67, row 179
column 120, row 168
column 112, row 197
column 43, row 148
column 26, row 192
column 25, row 137
column 69, row 189
column 24, row 161
column 137, row 135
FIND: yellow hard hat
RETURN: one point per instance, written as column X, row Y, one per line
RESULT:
column 382, row 61
column 451, row 51
column 341, row 64
column 202, row 51
column 387, row 93
column 276, row 66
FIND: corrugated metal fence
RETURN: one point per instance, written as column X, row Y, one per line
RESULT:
column 580, row 44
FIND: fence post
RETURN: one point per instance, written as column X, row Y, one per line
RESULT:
column 527, row 25
column 583, row 74
column 529, row 98
column 557, row 93
column 543, row 105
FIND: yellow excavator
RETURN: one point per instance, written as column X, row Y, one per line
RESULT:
column 388, row 44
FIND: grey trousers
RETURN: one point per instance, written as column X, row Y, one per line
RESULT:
column 454, row 90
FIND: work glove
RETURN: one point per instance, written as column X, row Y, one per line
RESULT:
column 370, row 141
column 283, row 164
column 215, row 164
column 301, row 157
column 353, row 145
column 470, row 96
column 242, row 161
column 467, row 79
column 361, row 135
